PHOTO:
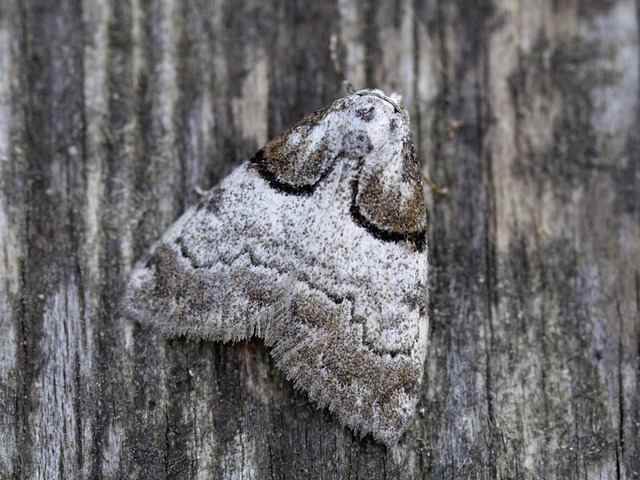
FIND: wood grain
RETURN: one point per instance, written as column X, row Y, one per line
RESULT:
column 113, row 112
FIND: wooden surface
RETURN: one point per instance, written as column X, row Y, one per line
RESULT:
column 112, row 112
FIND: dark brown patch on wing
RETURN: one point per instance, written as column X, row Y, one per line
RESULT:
column 293, row 162
column 392, row 212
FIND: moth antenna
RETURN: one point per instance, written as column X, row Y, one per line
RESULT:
column 438, row 190
column 333, row 49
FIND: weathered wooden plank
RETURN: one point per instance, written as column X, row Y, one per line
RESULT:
column 112, row 112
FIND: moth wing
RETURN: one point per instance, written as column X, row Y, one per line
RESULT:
column 351, row 325
column 352, row 330
column 200, row 279
column 215, row 273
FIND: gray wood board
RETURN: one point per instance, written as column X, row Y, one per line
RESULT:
column 113, row 112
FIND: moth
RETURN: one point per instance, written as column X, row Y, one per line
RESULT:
column 318, row 245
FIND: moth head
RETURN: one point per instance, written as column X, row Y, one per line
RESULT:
column 369, row 133
column 387, row 193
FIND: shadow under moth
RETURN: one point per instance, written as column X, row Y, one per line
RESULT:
column 318, row 245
